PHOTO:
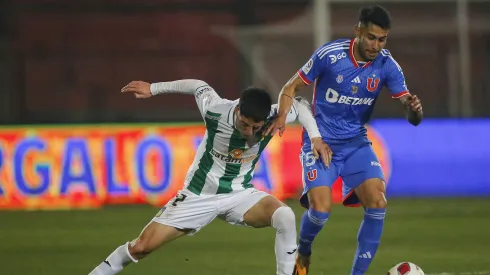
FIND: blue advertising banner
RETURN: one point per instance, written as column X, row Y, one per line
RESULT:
column 438, row 158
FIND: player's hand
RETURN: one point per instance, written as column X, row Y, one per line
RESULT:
column 321, row 149
column 279, row 124
column 414, row 104
column 140, row 89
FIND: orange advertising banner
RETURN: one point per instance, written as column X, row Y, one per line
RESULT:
column 66, row 167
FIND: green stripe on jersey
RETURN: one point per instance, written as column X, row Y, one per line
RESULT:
column 247, row 182
column 232, row 170
column 206, row 162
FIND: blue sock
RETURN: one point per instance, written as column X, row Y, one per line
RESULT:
column 311, row 224
column 368, row 239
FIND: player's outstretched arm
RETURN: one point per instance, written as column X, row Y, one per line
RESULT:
column 413, row 108
column 205, row 95
column 285, row 100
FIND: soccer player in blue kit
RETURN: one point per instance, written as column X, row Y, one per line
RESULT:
column 348, row 75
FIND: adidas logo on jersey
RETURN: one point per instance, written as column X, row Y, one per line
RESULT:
column 356, row 80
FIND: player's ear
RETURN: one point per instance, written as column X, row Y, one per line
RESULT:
column 357, row 30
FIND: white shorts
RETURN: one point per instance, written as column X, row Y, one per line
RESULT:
column 192, row 212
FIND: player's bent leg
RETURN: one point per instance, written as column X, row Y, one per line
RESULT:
column 313, row 220
column 260, row 215
column 153, row 236
column 186, row 214
column 371, row 194
column 269, row 211
column 317, row 181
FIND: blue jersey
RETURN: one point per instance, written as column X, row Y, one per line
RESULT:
column 345, row 90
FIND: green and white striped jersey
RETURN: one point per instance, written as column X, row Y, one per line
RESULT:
column 224, row 161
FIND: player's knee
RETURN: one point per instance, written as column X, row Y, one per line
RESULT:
column 377, row 202
column 283, row 219
column 320, row 204
column 320, row 199
column 140, row 248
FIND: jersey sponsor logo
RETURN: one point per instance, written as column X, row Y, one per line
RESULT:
column 307, row 67
column 333, row 96
column 334, row 58
column 372, row 84
column 230, row 159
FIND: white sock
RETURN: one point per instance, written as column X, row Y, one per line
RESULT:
column 118, row 259
column 284, row 221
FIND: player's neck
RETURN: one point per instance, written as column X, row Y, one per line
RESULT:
column 357, row 53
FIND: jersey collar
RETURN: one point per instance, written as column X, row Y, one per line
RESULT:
column 353, row 59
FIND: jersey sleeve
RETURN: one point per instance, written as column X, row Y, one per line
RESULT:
column 301, row 111
column 395, row 80
column 205, row 95
column 312, row 69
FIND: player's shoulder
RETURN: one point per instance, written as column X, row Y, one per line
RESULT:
column 333, row 51
column 222, row 107
column 387, row 59
column 335, row 44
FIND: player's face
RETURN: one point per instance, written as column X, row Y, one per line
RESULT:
column 371, row 39
column 247, row 126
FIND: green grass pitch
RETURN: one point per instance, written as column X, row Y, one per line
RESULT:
column 440, row 235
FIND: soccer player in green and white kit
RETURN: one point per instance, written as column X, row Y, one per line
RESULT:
column 218, row 183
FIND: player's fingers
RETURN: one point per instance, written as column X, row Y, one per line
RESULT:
column 325, row 158
column 269, row 129
column 330, row 154
column 131, row 90
column 131, row 84
column 315, row 153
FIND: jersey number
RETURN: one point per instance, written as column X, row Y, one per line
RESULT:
column 179, row 198
column 309, row 159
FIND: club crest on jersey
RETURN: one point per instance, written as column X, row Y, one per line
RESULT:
column 340, row 78
column 372, row 83
column 312, row 175
column 236, row 153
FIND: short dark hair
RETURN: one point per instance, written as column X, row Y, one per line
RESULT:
column 255, row 103
column 376, row 15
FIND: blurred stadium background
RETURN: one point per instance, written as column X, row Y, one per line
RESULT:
column 102, row 163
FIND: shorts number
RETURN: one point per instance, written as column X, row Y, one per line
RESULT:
column 179, row 198
column 309, row 159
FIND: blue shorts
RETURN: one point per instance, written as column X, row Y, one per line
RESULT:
column 354, row 161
